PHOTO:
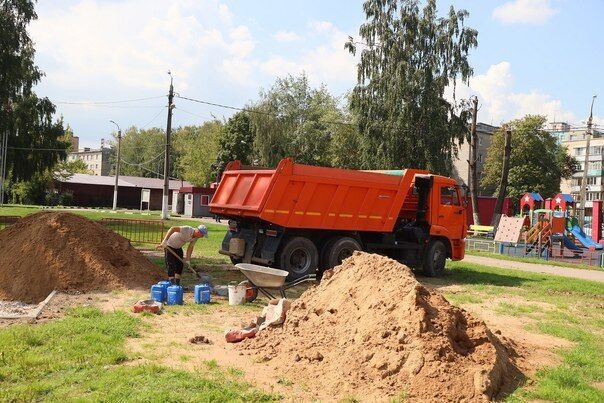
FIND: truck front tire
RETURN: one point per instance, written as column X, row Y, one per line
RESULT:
column 299, row 257
column 434, row 260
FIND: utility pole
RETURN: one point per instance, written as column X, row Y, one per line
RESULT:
column 164, row 207
column 472, row 165
column 4, row 150
column 503, row 185
column 583, row 193
column 117, row 166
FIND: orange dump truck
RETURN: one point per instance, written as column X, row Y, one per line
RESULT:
column 302, row 218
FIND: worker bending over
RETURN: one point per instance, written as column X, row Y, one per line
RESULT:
column 175, row 239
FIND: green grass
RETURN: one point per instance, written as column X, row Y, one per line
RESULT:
column 506, row 308
column 82, row 356
column 534, row 260
column 576, row 315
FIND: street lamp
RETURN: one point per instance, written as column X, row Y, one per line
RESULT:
column 588, row 135
column 117, row 168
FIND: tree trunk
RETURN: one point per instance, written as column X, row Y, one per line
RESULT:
column 473, row 160
column 504, row 179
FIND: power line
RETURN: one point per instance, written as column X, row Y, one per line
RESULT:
column 143, row 163
column 158, row 174
column 38, row 149
column 190, row 113
column 335, row 122
column 105, row 102
column 154, row 117
column 118, row 106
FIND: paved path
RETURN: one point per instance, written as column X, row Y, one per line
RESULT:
column 593, row 275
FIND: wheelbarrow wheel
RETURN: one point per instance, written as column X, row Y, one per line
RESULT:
column 251, row 291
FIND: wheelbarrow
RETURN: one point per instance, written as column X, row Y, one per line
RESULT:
column 266, row 280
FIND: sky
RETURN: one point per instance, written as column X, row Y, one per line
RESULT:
column 533, row 57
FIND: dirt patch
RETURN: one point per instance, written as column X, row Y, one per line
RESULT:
column 63, row 251
column 201, row 339
column 372, row 327
column 536, row 350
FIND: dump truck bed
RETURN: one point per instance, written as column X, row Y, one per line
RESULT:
column 302, row 196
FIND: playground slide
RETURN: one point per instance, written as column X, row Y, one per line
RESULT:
column 584, row 239
column 569, row 244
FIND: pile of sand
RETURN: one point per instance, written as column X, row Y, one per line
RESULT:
column 372, row 331
column 66, row 252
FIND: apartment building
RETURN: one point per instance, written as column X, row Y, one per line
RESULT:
column 97, row 160
column 575, row 141
column 461, row 169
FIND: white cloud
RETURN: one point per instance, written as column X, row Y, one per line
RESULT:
column 494, row 87
column 525, row 12
column 280, row 67
column 320, row 26
column 498, row 102
column 134, row 42
column 326, row 63
column 287, row 36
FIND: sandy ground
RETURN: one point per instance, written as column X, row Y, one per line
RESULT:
column 166, row 339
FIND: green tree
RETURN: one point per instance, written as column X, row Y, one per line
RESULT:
column 142, row 152
column 237, row 142
column 346, row 141
column 294, row 120
column 537, row 161
column 25, row 118
column 198, row 148
column 408, row 58
column 64, row 170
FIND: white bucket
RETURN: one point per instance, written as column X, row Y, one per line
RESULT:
column 236, row 294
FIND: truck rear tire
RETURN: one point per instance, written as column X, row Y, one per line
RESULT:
column 434, row 261
column 299, row 257
column 340, row 249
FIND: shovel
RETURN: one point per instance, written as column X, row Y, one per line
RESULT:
column 183, row 262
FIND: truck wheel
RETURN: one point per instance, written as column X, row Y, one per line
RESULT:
column 299, row 257
column 324, row 262
column 434, row 261
column 340, row 249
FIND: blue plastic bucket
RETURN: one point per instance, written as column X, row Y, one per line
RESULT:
column 175, row 295
column 202, row 294
column 165, row 285
column 158, row 293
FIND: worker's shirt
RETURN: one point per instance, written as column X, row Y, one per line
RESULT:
column 178, row 239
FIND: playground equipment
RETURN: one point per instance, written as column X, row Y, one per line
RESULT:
column 539, row 237
column 529, row 202
column 562, row 202
column 510, row 229
column 552, row 232
column 582, row 238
